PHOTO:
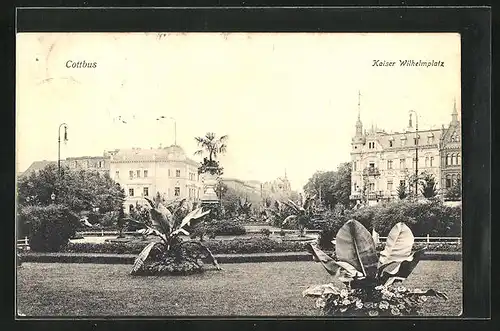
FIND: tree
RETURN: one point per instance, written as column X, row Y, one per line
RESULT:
column 79, row 190
column 454, row 193
column 213, row 146
column 402, row 194
column 331, row 187
column 428, row 183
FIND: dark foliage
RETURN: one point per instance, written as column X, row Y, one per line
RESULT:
column 48, row 228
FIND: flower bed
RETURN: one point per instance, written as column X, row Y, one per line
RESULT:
column 234, row 246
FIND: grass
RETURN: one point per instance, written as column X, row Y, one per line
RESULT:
column 250, row 289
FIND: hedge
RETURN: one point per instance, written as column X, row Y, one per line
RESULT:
column 235, row 246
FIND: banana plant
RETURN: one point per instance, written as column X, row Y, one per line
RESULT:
column 277, row 212
column 244, row 207
column 167, row 223
column 301, row 213
column 358, row 266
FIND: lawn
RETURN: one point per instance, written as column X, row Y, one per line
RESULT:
column 247, row 289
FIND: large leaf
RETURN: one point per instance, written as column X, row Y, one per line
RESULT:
column 400, row 270
column 354, row 245
column 203, row 249
column 193, row 215
column 294, row 206
column 143, row 255
column 398, row 244
column 289, row 219
column 332, row 266
column 319, row 290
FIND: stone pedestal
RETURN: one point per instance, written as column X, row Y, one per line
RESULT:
column 209, row 199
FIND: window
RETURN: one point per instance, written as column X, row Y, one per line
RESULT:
column 426, row 161
column 354, row 166
column 448, row 181
column 372, row 165
column 431, row 161
column 403, row 141
column 448, row 159
column 130, row 174
column 145, row 191
column 390, row 143
column 138, row 173
column 459, row 161
column 168, row 172
column 389, row 185
column 415, row 141
column 117, row 174
column 177, row 191
column 389, row 164
column 177, row 173
column 372, row 187
column 402, row 164
column 131, row 192
column 145, row 173
column 430, row 139
column 402, row 183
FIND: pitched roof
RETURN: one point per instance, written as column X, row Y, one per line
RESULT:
column 36, row 166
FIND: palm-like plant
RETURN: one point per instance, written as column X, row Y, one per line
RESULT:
column 244, row 207
column 276, row 212
column 172, row 254
column 301, row 213
column 428, row 183
column 213, row 146
column 369, row 279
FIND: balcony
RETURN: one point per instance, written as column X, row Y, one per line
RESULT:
column 371, row 172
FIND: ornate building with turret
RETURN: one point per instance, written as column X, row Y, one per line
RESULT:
column 382, row 161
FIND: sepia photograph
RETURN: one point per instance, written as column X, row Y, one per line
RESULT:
column 238, row 174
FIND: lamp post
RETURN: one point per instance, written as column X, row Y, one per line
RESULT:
column 416, row 150
column 59, row 144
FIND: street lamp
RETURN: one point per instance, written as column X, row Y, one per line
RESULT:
column 175, row 126
column 59, row 144
column 416, row 150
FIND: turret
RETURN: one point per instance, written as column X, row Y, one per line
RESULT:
column 454, row 114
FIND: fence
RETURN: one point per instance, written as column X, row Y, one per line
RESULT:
column 23, row 244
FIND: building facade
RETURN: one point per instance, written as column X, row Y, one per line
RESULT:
column 148, row 172
column 382, row 161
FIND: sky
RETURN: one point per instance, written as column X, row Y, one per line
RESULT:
column 288, row 102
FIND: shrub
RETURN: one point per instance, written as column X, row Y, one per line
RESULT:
column 225, row 227
column 48, row 228
column 265, row 232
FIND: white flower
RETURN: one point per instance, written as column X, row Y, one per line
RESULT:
column 346, row 302
column 423, row 298
column 379, row 287
column 359, row 304
column 373, row 313
column 401, row 289
column 343, row 309
column 320, row 303
column 344, row 293
column 383, row 305
column 395, row 311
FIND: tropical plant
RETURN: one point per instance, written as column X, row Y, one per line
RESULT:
column 171, row 255
column 370, row 281
column 244, row 207
column 276, row 212
column 213, row 146
column 300, row 213
column 402, row 194
column 428, row 183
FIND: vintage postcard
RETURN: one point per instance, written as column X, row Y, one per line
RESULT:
column 238, row 174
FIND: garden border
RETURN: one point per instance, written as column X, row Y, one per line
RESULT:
column 99, row 258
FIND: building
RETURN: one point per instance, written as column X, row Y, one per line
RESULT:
column 148, row 172
column 142, row 172
column 278, row 189
column 97, row 163
column 250, row 190
column 382, row 161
